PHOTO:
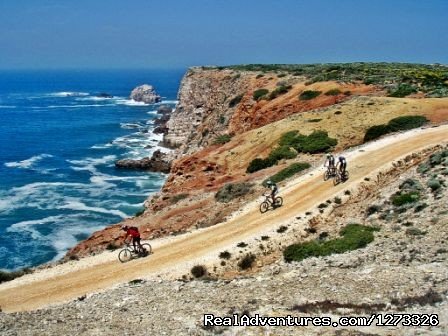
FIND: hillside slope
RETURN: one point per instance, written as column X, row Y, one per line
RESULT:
column 175, row 256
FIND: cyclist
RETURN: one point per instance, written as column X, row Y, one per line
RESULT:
column 273, row 189
column 132, row 231
column 330, row 159
column 342, row 163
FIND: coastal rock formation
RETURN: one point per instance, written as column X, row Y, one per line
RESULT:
column 146, row 94
column 214, row 101
column 161, row 122
column 157, row 163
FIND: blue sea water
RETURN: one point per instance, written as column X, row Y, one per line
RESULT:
column 58, row 145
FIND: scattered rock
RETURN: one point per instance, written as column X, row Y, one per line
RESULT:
column 157, row 163
column 145, row 93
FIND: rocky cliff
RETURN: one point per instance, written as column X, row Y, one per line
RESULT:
column 227, row 117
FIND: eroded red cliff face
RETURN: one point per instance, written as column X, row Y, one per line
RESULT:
column 206, row 110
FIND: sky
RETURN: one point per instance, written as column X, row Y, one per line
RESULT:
column 114, row 34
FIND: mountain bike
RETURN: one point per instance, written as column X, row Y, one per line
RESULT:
column 267, row 203
column 330, row 172
column 338, row 178
column 129, row 253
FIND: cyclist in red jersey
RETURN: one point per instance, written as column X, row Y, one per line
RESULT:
column 132, row 231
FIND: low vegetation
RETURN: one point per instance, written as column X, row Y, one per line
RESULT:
column 316, row 142
column 8, row 276
column 231, row 191
column 225, row 255
column 309, row 94
column 394, row 125
column 353, row 236
column 235, row 100
column 289, row 171
column 222, row 139
column 246, row 262
column 402, row 90
column 198, row 271
column 405, row 198
column 333, row 92
column 292, row 143
column 260, row 93
column 403, row 78
column 280, row 90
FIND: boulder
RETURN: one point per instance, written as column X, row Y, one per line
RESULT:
column 145, row 93
column 157, row 163
column 104, row 95
column 164, row 109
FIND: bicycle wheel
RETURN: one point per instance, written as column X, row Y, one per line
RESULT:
column 337, row 179
column 278, row 202
column 148, row 248
column 346, row 175
column 125, row 255
column 326, row 175
column 264, row 206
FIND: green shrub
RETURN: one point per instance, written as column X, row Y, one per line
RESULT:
column 222, row 139
column 314, row 120
column 260, row 93
column 282, row 229
column 259, row 76
column 241, row 244
column 288, row 172
column 396, row 124
column 8, row 276
column 402, row 90
column 198, row 271
column 225, row 255
column 287, row 139
column 434, row 184
column 375, row 132
column 282, row 152
column 415, row 232
column 282, row 89
column 410, row 184
column 406, row 122
column 178, row 197
column 316, row 142
column 259, row 164
column 404, row 198
column 337, row 200
column 354, row 236
column 231, row 191
column 235, row 100
column 333, row 92
column 246, row 262
column 309, row 94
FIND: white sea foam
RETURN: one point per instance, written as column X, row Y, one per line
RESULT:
column 80, row 206
column 101, row 146
column 68, row 94
column 152, row 112
column 7, row 107
column 90, row 164
column 28, row 163
column 130, row 102
column 130, row 125
column 95, row 98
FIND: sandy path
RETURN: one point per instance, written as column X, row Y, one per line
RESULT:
column 176, row 254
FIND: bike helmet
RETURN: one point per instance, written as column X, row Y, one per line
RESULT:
column 124, row 227
column 329, row 155
column 269, row 183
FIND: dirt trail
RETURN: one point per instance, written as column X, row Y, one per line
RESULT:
column 178, row 253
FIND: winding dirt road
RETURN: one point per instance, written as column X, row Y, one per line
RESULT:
column 176, row 253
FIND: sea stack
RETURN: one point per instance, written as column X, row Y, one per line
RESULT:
column 145, row 93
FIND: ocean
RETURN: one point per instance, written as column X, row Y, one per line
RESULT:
column 59, row 141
